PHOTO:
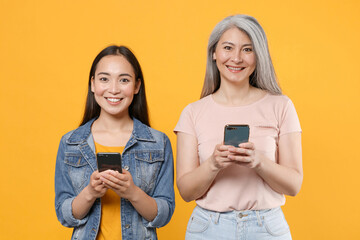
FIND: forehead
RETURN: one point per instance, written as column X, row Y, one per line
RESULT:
column 114, row 63
column 235, row 35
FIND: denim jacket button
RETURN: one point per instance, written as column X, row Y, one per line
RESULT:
column 127, row 225
column 126, row 168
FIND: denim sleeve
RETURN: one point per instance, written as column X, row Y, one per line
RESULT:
column 164, row 190
column 64, row 192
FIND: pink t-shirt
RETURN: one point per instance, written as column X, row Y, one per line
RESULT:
column 238, row 187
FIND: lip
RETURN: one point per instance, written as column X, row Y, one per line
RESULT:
column 113, row 100
column 235, row 69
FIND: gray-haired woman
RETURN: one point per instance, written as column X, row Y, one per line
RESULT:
column 239, row 190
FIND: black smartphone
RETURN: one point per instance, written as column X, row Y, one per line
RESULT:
column 109, row 160
column 234, row 134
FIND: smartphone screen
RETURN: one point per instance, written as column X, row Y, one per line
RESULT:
column 109, row 160
column 235, row 134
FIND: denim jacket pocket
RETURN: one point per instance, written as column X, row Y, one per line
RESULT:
column 78, row 169
column 148, row 163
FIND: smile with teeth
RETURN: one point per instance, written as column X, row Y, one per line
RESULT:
column 113, row 100
column 235, row 68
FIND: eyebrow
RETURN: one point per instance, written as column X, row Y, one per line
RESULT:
column 108, row 74
column 230, row 43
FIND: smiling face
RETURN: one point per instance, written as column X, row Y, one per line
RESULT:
column 114, row 85
column 235, row 57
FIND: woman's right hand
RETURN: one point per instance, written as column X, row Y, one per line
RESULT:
column 86, row 198
column 192, row 178
column 96, row 187
column 219, row 159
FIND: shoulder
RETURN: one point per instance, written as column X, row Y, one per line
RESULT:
column 146, row 133
column 79, row 134
column 284, row 109
column 201, row 103
column 158, row 134
column 197, row 107
column 277, row 101
column 277, row 98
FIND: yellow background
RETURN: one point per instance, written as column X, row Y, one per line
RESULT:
column 47, row 47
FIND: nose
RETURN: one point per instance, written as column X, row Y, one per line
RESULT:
column 237, row 58
column 114, row 87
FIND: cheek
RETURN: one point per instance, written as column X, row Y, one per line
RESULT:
column 221, row 57
column 98, row 90
column 251, row 60
column 129, row 91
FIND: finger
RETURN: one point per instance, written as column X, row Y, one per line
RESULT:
column 120, row 177
column 222, row 161
column 248, row 145
column 222, row 147
column 242, row 159
column 118, row 189
column 125, row 172
column 106, row 185
column 95, row 182
column 95, row 175
column 109, row 178
column 110, row 184
column 241, row 151
column 106, row 172
column 100, row 187
column 222, row 154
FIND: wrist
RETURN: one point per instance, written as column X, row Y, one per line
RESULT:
column 135, row 196
column 211, row 166
column 88, row 196
column 260, row 164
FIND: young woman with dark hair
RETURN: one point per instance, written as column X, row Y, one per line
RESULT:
column 109, row 204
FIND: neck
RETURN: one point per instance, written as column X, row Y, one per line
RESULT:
column 234, row 94
column 107, row 122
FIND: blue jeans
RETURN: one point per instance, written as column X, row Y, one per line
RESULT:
column 238, row 225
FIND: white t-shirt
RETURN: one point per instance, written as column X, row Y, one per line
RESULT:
column 238, row 187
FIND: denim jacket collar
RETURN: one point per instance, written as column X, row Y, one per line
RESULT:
column 139, row 133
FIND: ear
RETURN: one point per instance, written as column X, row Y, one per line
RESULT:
column 214, row 56
column 92, row 84
column 137, row 86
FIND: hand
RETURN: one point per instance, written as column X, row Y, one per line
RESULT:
column 96, row 187
column 219, row 158
column 245, row 155
column 121, row 183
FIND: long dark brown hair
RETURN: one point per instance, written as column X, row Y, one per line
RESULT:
column 138, row 108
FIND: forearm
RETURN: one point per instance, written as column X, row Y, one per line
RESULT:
column 196, row 183
column 82, row 204
column 144, row 204
column 282, row 179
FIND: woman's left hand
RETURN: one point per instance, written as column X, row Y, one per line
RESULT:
column 121, row 183
column 245, row 155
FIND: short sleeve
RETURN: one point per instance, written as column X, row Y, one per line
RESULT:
column 289, row 121
column 186, row 122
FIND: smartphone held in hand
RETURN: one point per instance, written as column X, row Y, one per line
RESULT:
column 109, row 160
column 234, row 134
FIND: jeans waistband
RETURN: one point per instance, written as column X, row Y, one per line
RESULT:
column 246, row 215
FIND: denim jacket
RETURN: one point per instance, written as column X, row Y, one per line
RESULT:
column 147, row 156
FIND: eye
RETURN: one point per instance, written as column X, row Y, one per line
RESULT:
column 228, row 48
column 103, row 79
column 124, row 80
column 247, row 49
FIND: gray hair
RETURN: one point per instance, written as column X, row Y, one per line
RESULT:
column 263, row 77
